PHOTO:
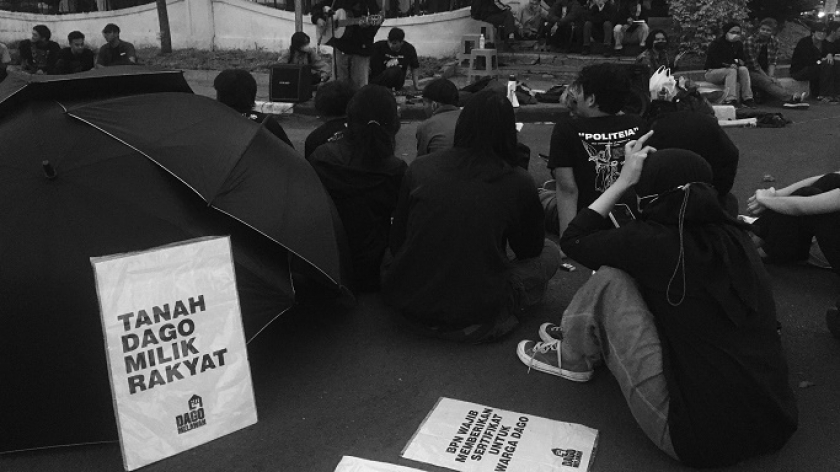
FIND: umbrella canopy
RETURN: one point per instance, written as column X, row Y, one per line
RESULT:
column 126, row 174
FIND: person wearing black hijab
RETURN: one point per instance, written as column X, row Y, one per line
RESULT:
column 683, row 308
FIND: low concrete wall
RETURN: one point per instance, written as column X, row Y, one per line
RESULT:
column 230, row 24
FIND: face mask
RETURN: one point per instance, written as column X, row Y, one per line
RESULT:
column 733, row 37
column 660, row 46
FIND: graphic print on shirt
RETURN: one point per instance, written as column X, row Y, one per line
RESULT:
column 606, row 150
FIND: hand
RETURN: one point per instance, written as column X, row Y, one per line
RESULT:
column 754, row 205
column 635, row 153
column 830, row 59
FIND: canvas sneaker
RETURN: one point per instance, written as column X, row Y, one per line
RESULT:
column 797, row 101
column 550, row 332
column 545, row 357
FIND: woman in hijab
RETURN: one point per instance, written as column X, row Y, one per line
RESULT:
column 683, row 303
column 363, row 177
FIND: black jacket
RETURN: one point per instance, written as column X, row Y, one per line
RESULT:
column 806, row 54
column 722, row 53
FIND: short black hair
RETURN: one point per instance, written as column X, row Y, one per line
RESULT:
column 609, row 83
column 332, row 98
column 43, row 31
column 111, row 28
column 236, row 88
column 441, row 91
column 487, row 127
column 75, row 35
column 396, row 34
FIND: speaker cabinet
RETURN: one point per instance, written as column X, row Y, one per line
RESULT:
column 290, row 83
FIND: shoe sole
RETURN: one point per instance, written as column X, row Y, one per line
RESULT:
column 796, row 105
column 549, row 369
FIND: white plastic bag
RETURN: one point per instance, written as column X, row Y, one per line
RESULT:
column 662, row 85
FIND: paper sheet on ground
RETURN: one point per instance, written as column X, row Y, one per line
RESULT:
column 355, row 464
column 469, row 437
column 175, row 346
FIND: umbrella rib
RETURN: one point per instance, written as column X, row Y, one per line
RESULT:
column 202, row 197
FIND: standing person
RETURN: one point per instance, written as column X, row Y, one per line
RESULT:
column 451, row 276
column 301, row 52
column 331, row 103
column 655, row 54
column 115, row 52
column 631, row 25
column 351, row 58
column 813, row 61
column 75, row 58
column 237, row 89
column 599, row 21
column 726, row 64
column 762, row 51
column 587, row 151
column 437, row 132
column 569, row 17
column 391, row 59
column 363, row 177
column 497, row 14
column 681, row 311
column 39, row 54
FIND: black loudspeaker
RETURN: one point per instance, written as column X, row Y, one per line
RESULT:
column 290, row 83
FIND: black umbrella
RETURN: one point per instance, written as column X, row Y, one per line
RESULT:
column 126, row 174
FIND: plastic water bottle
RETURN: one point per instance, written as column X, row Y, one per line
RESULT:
column 481, row 41
column 511, row 91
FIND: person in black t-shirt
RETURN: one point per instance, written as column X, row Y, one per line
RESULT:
column 115, row 52
column 38, row 55
column 331, row 103
column 76, row 57
column 391, row 59
column 237, row 89
column 587, row 147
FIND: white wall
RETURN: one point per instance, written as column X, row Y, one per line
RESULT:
column 229, row 24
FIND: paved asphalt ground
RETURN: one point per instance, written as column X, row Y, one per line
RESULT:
column 332, row 383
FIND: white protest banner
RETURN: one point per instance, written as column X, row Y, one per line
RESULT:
column 355, row 464
column 469, row 437
column 175, row 347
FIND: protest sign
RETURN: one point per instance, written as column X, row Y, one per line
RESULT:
column 474, row 438
column 354, row 464
column 175, row 347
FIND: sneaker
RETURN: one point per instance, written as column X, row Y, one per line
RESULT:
column 749, row 103
column 797, row 101
column 545, row 357
column 731, row 103
column 550, row 332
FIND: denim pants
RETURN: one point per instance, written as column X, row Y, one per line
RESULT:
column 352, row 68
column 607, row 320
column 762, row 81
column 735, row 81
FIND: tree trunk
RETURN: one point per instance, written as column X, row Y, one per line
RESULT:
column 165, row 35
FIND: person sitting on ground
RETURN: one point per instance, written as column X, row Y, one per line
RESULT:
column 656, row 54
column 568, row 16
column 701, row 134
column 391, row 59
column 363, row 177
column 331, row 103
column 75, row 58
column 437, row 132
column 681, row 311
column 497, row 14
column 301, row 52
column 237, row 89
column 5, row 60
column 790, row 218
column 726, row 64
column 812, row 61
column 631, row 25
column 600, row 17
column 115, row 52
column 762, row 51
column 532, row 20
column 451, row 276
column 587, row 150
column 39, row 54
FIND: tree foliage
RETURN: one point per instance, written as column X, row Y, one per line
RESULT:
column 700, row 20
column 781, row 10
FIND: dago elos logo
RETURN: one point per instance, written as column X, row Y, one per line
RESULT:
column 193, row 418
column 571, row 457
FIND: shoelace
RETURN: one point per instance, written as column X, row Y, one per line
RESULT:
column 543, row 348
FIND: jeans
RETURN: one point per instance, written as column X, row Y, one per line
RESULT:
column 588, row 30
column 732, row 80
column 637, row 36
column 352, row 68
column 607, row 320
column 762, row 81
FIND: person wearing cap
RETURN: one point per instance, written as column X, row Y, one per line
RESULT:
column 391, row 59
column 115, row 52
column 440, row 102
column 681, row 311
column 813, row 61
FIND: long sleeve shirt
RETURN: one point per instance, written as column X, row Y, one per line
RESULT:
column 753, row 51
